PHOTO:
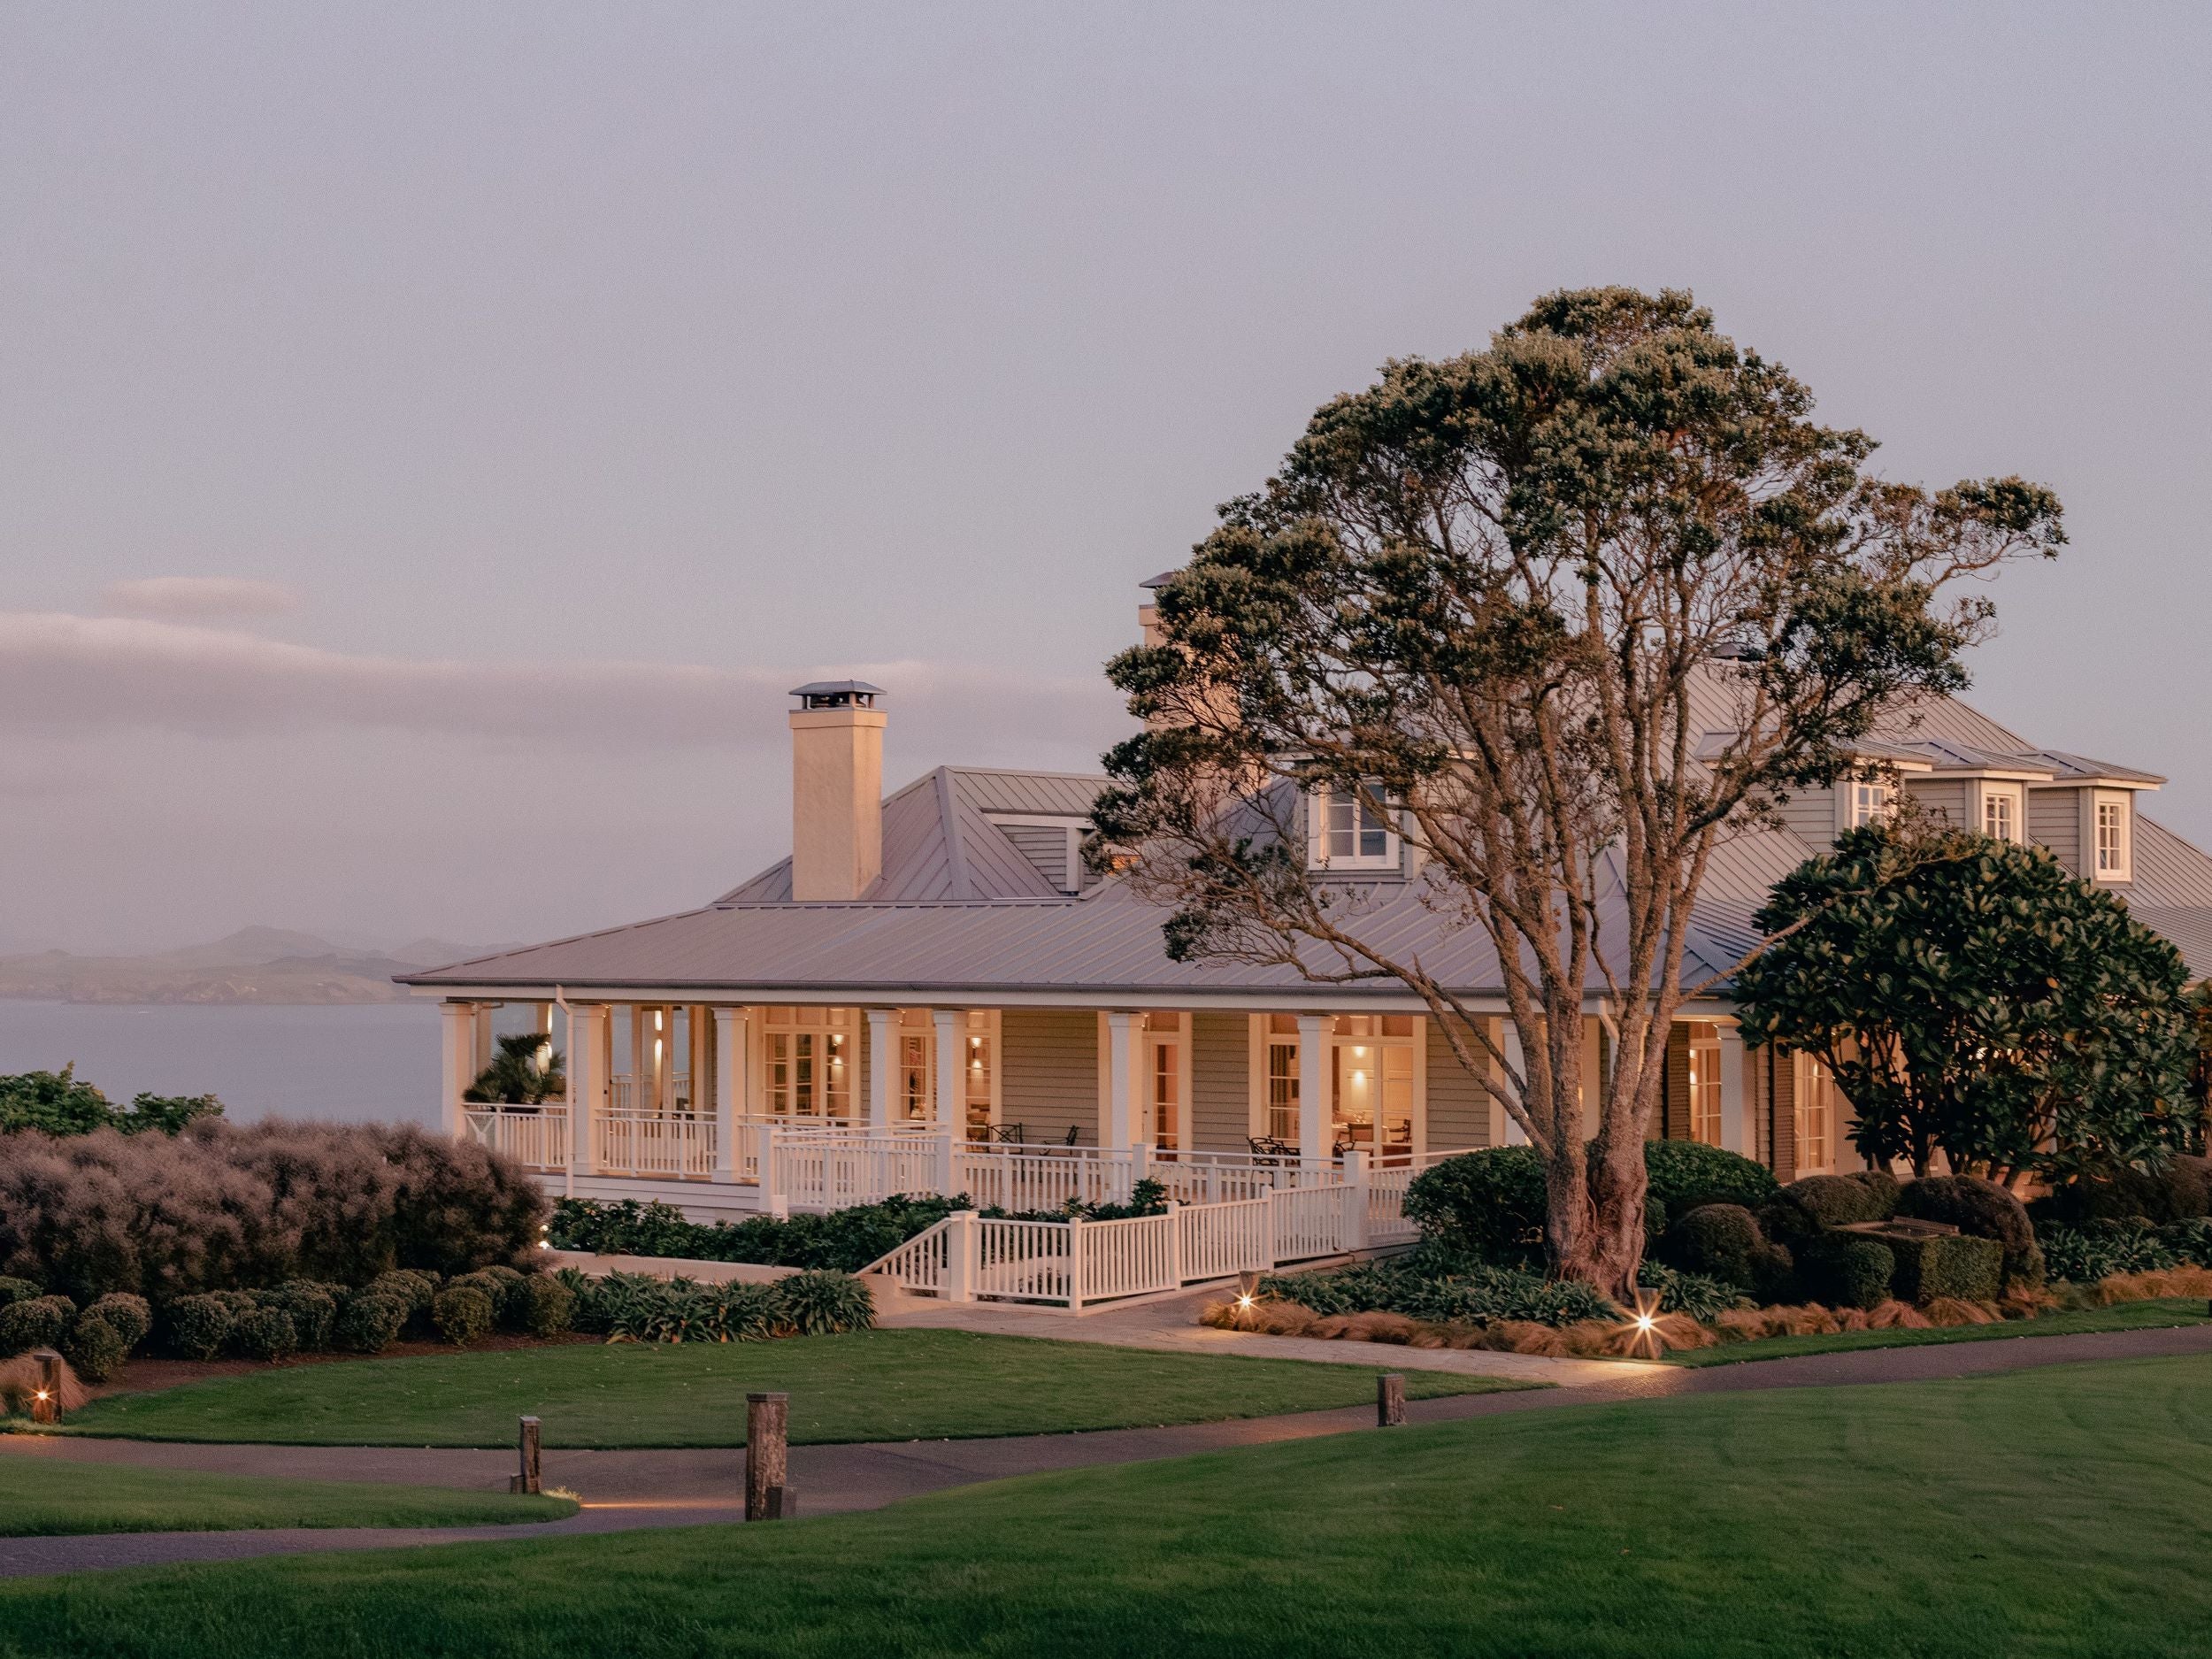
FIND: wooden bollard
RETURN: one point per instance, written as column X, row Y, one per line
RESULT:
column 528, row 1480
column 767, row 1429
column 1390, row 1400
column 46, row 1397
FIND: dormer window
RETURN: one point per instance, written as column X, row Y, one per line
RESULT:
column 1350, row 835
column 1869, row 801
column 2111, row 851
column 2001, row 813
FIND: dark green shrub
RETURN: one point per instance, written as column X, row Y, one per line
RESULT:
column 369, row 1322
column 1814, row 1204
column 1696, row 1295
column 1487, row 1205
column 2181, row 1190
column 95, row 1347
column 819, row 1303
column 1687, row 1175
column 126, row 1315
column 845, row 1240
column 2190, row 1241
column 463, row 1314
column 750, row 1313
column 13, row 1290
column 548, row 1305
column 1718, row 1241
column 313, row 1308
column 509, row 1296
column 265, row 1333
column 35, row 1322
column 1846, row 1269
column 196, row 1327
column 1983, row 1209
column 1432, row 1284
column 1954, row 1265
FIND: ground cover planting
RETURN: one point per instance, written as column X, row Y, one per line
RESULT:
column 2051, row 1512
column 863, row 1385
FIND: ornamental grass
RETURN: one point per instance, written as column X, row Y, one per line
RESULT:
column 19, row 1379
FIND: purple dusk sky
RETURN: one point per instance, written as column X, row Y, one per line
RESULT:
column 432, row 438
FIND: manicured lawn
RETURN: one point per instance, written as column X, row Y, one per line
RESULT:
column 42, row 1495
column 2127, row 1316
column 2056, row 1511
column 870, row 1386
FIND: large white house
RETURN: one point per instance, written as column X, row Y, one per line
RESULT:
column 933, row 971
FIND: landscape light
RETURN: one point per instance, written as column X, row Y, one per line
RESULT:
column 1643, row 1326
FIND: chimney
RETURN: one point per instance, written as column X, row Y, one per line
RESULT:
column 836, row 789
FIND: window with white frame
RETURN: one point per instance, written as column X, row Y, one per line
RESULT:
column 1869, row 801
column 1705, row 1084
column 1347, row 834
column 808, row 1062
column 1815, row 1115
column 1372, row 1067
column 2001, row 813
column 2110, row 822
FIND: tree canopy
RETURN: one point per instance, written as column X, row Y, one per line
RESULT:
column 1974, row 998
column 1564, row 612
column 61, row 1103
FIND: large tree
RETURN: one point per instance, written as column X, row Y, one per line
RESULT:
column 1565, row 611
column 1974, row 998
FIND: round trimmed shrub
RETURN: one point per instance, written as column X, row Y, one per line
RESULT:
column 1489, row 1205
column 1687, row 1175
column 369, row 1322
column 549, row 1306
column 196, row 1327
column 1983, row 1209
column 132, row 1319
column 15, row 1290
column 266, row 1333
column 462, row 1313
column 1717, row 1241
column 35, row 1322
column 821, row 1302
column 1811, row 1205
column 95, row 1347
column 313, row 1308
column 1846, row 1269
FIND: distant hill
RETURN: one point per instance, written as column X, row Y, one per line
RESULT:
column 254, row 964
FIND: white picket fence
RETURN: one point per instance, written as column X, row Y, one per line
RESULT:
column 1070, row 1265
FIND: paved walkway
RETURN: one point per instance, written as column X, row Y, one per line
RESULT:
column 629, row 1489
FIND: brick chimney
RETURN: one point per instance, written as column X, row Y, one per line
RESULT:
column 836, row 789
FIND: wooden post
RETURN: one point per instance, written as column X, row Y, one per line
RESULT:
column 1390, row 1400
column 528, row 1480
column 767, row 1425
column 46, row 1399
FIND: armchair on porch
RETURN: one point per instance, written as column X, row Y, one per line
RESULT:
column 1009, row 1134
column 1269, row 1149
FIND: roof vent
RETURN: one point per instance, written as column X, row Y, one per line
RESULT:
column 837, row 693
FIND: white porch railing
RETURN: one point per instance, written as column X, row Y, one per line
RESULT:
column 654, row 1143
column 1071, row 1263
column 534, row 1136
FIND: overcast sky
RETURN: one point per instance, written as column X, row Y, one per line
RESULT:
column 432, row 438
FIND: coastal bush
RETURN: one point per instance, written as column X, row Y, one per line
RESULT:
column 548, row 1305
column 638, row 1307
column 19, row 1290
column 1814, row 1203
column 1846, row 1269
column 196, row 1327
column 127, row 1316
column 313, row 1308
column 1983, row 1209
column 35, row 1322
column 1687, row 1175
column 369, row 1322
column 410, row 1288
column 222, row 1205
column 58, row 1103
column 1722, row 1242
column 845, row 1241
column 463, row 1314
column 1434, row 1284
column 2179, row 1190
column 263, row 1334
column 95, row 1347
column 1488, row 1206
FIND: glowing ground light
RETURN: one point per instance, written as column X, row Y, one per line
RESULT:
column 1643, row 1326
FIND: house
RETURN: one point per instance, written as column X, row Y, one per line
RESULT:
column 934, row 974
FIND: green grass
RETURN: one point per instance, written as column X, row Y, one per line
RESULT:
column 2054, row 1511
column 40, row 1495
column 870, row 1386
column 2126, row 1315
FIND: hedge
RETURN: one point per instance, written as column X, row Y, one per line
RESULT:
column 844, row 1240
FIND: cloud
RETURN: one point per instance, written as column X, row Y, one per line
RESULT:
column 64, row 674
column 197, row 598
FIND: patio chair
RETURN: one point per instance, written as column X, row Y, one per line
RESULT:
column 1009, row 1134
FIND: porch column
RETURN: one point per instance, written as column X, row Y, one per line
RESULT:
column 883, row 1065
column 1735, row 1100
column 1118, row 1123
column 588, row 1033
column 457, row 1067
column 1510, row 1034
column 729, row 1088
column 951, row 1079
column 480, row 1036
column 1314, row 1075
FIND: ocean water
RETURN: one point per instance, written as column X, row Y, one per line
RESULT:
column 353, row 1064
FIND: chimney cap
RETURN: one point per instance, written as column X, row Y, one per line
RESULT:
column 1162, row 579
column 837, row 693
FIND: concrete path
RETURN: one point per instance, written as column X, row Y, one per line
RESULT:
column 624, row 1490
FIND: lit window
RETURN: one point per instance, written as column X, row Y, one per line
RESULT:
column 1350, row 833
column 1705, row 1093
column 1816, row 1116
column 2112, row 838
column 2000, row 815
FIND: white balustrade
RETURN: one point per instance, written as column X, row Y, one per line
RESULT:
column 680, row 1145
column 1219, row 1239
column 1308, row 1221
column 534, row 1136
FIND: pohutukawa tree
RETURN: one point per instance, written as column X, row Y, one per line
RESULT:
column 1565, row 612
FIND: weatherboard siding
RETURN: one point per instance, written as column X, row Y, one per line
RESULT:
column 1458, row 1107
column 1220, row 1091
column 1049, row 1061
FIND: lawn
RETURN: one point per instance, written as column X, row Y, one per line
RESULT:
column 2126, row 1315
column 43, row 1495
column 2056, row 1511
column 868, row 1385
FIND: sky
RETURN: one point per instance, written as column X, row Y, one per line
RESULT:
column 433, row 438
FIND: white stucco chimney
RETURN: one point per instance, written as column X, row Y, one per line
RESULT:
column 836, row 789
